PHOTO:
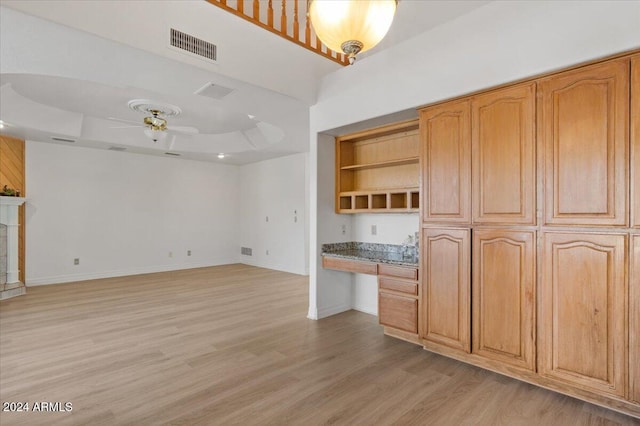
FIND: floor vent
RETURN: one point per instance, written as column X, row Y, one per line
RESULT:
column 245, row 250
column 194, row 45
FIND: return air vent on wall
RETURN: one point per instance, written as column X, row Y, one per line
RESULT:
column 117, row 148
column 172, row 153
column 194, row 45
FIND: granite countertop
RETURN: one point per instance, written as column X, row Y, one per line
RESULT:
column 372, row 252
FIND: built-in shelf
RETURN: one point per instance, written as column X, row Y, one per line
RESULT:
column 399, row 162
column 378, row 170
column 386, row 201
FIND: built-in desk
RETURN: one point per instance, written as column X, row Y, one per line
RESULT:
column 398, row 287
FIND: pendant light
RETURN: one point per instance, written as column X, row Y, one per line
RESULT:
column 351, row 26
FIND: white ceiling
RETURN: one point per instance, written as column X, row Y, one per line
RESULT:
column 66, row 81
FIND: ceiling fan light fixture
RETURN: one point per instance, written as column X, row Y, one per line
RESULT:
column 155, row 134
column 351, row 26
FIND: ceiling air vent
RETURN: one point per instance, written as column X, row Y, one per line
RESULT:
column 193, row 45
column 55, row 138
column 117, row 148
column 214, row 91
column 172, row 153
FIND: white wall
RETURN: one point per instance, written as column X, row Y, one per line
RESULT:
column 497, row 43
column 275, row 189
column 123, row 213
column 334, row 287
column 500, row 42
column 390, row 229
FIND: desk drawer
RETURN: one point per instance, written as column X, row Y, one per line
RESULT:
column 398, row 285
column 398, row 312
column 398, row 271
column 349, row 265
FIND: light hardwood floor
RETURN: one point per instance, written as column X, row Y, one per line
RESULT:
column 231, row 345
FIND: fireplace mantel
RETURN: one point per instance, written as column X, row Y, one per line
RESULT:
column 9, row 217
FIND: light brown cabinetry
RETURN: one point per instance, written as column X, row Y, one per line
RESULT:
column 583, row 129
column 634, row 320
column 550, row 193
column 398, row 301
column 635, row 141
column 348, row 265
column 503, row 153
column 582, row 310
column 377, row 170
column 446, row 162
column 446, row 286
column 504, row 265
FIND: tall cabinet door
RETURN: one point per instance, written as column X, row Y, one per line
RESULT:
column 446, row 163
column 583, row 119
column 582, row 310
column 503, row 152
column 446, row 286
column 634, row 321
column 635, row 141
column 503, row 290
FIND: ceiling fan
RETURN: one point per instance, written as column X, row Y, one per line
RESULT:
column 155, row 124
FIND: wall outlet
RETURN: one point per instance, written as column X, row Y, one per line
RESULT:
column 76, row 261
column 188, row 252
column 170, row 254
column 267, row 252
column 344, row 229
column 374, row 230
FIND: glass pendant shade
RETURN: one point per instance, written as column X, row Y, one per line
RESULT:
column 351, row 26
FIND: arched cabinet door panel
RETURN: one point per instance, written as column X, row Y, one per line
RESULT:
column 446, row 162
column 583, row 126
column 503, row 295
column 634, row 321
column 503, row 155
column 635, row 141
column 446, row 295
column 583, row 335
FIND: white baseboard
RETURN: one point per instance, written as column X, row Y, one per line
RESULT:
column 246, row 260
column 313, row 313
column 367, row 310
column 332, row 310
column 60, row 279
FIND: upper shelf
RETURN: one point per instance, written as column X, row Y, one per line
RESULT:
column 399, row 162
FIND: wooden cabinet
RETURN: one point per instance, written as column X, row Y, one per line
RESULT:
column 635, row 141
column 582, row 310
column 583, row 127
column 398, row 293
column 348, row 265
column 377, row 170
column 634, row 320
column 446, row 286
column 503, row 284
column 503, row 153
column 446, row 162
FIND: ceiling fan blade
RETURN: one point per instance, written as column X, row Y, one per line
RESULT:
column 183, row 129
column 172, row 143
column 125, row 127
column 122, row 120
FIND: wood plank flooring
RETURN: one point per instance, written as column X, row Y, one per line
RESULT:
column 232, row 345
